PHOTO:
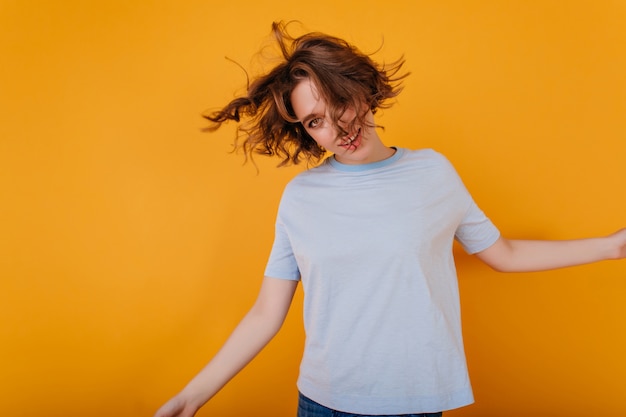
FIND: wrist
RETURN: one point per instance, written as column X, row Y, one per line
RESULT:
column 193, row 397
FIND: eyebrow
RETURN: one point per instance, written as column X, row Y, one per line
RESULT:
column 309, row 117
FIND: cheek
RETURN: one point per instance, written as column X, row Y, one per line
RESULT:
column 349, row 115
column 323, row 136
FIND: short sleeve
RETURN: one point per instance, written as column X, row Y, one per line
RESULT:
column 282, row 262
column 476, row 232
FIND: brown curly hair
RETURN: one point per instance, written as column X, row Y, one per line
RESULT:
column 344, row 77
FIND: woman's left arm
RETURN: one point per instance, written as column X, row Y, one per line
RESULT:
column 509, row 255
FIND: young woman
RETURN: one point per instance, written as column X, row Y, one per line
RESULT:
column 369, row 233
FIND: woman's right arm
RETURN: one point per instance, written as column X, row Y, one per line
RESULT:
column 254, row 331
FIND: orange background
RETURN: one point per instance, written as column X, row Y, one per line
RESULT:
column 131, row 243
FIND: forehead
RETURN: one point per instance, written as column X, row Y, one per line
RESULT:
column 306, row 100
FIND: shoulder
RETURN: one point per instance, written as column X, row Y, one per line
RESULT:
column 311, row 176
column 432, row 167
column 426, row 154
column 427, row 158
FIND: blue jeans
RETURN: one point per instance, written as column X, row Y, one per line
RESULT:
column 309, row 408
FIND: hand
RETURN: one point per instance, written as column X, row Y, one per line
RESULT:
column 619, row 238
column 177, row 407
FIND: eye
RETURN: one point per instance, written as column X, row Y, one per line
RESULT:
column 313, row 123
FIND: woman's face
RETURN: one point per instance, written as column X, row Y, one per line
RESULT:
column 360, row 146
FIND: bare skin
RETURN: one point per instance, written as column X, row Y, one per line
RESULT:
column 508, row 255
column 360, row 146
column 266, row 316
column 254, row 331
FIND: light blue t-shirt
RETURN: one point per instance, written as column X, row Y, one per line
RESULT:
column 372, row 245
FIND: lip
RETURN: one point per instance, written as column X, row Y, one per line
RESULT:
column 354, row 143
